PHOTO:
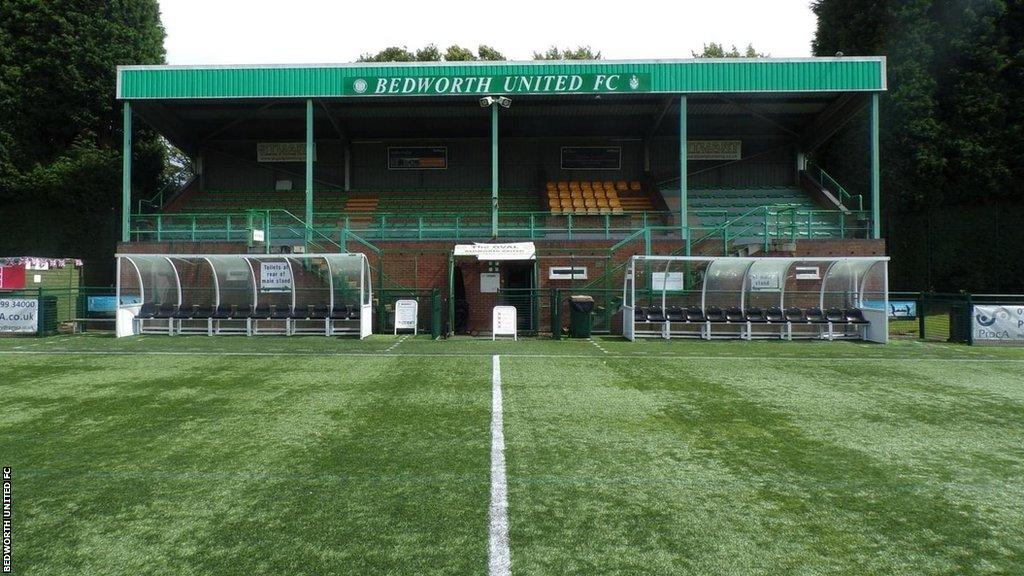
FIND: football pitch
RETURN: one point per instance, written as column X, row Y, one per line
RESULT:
column 309, row 456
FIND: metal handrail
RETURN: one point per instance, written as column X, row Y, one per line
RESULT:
column 826, row 181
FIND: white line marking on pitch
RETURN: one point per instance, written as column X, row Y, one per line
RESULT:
column 381, row 354
column 395, row 345
column 599, row 347
column 500, row 561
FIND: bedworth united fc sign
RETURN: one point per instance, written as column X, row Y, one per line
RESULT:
column 500, row 84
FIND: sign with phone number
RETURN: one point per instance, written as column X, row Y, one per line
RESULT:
column 19, row 316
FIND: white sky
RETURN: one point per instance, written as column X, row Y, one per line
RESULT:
column 309, row 31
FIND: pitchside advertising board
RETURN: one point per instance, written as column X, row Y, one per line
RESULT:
column 19, row 316
column 994, row 324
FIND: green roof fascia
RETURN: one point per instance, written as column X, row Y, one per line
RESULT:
column 694, row 76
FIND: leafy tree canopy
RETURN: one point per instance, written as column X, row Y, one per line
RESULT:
column 431, row 53
column 715, row 50
column 578, row 53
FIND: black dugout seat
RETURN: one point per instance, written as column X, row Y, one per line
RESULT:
column 166, row 311
column 815, row 316
column 835, row 316
column 340, row 312
column 261, row 312
column 734, row 314
column 185, row 312
column 225, row 312
column 675, row 314
column 794, row 314
column 695, row 314
column 775, row 315
column 714, row 314
column 148, row 310
column 855, row 316
column 203, row 311
column 655, row 314
column 756, row 314
column 281, row 312
column 318, row 312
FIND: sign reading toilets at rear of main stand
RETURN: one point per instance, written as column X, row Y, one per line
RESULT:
column 993, row 324
column 19, row 316
column 275, row 277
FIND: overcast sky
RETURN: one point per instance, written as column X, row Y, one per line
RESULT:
column 326, row 31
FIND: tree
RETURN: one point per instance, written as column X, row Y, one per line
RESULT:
column 488, row 53
column 60, row 126
column 456, row 53
column 713, row 50
column 580, row 53
column 430, row 53
column 950, row 132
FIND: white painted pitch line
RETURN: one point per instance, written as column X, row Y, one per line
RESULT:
column 395, row 345
column 599, row 347
column 499, row 557
column 381, row 353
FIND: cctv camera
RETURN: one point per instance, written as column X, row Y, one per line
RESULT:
column 505, row 101
column 486, row 101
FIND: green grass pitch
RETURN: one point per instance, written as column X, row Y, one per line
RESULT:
column 311, row 456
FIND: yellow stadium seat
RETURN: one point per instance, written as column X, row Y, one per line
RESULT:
column 634, row 186
column 577, row 202
column 588, row 193
column 621, row 186
column 563, row 193
column 602, row 203
column 585, row 186
column 551, row 186
column 609, row 186
column 616, row 210
column 590, row 203
column 599, row 194
column 563, row 185
column 597, row 185
column 574, row 186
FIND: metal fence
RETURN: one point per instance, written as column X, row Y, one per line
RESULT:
column 66, row 309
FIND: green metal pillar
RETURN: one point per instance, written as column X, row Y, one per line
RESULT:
column 126, row 175
column 494, row 170
column 876, row 173
column 684, row 228
column 309, row 168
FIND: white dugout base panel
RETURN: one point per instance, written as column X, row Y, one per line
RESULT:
column 787, row 298
column 244, row 294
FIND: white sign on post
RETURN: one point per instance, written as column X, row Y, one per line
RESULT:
column 998, row 324
column 275, row 277
column 406, row 316
column 504, row 322
column 19, row 316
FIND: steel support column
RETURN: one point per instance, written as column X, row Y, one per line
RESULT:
column 684, row 227
column 494, row 170
column 309, row 168
column 126, row 175
column 876, row 175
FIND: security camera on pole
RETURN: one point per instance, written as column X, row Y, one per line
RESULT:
column 493, row 102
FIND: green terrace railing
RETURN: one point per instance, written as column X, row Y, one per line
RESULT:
column 829, row 183
column 330, row 230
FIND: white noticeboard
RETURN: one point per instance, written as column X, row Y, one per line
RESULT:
column 406, row 316
column 504, row 322
column 667, row 281
column 275, row 277
column 994, row 324
column 490, row 282
column 19, row 316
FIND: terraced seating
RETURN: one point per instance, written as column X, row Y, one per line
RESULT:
column 714, row 206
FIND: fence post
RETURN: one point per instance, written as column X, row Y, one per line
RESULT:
column 556, row 314
column 921, row 296
column 435, row 314
column 968, row 320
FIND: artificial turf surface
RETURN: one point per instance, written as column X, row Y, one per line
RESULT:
column 307, row 455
